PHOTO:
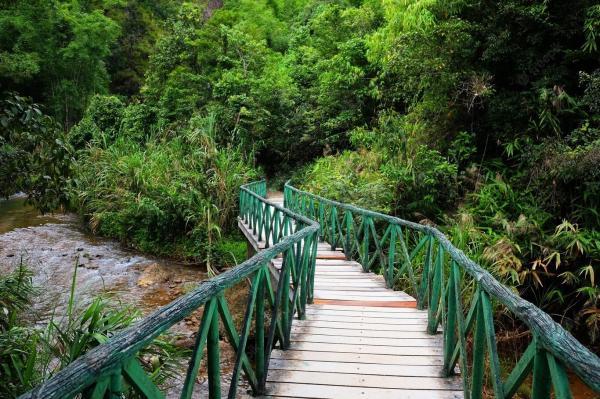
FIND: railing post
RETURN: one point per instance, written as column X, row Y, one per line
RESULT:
column 321, row 220
column 389, row 273
column 348, row 239
column 194, row 364
column 424, row 288
column 116, row 384
column 312, row 266
column 451, row 326
column 560, row 380
column 260, row 332
column 365, row 244
column 495, row 371
column 268, row 231
column 478, row 354
column 333, row 227
column 285, row 305
column 541, row 376
column 213, row 354
column 436, row 292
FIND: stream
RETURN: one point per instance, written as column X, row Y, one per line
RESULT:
column 51, row 245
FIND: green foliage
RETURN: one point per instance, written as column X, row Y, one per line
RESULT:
column 30, row 355
column 101, row 122
column 353, row 177
column 55, row 51
column 18, row 343
column 163, row 195
column 483, row 116
column 425, row 185
column 34, row 155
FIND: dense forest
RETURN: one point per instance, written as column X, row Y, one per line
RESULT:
column 481, row 117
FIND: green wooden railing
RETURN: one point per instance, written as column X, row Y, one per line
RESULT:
column 421, row 260
column 111, row 369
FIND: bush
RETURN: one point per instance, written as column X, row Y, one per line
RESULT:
column 351, row 177
column 550, row 263
column 164, row 196
column 138, row 122
column 34, row 155
column 425, row 185
column 30, row 355
column 101, row 121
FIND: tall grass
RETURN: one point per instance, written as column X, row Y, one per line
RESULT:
column 29, row 355
column 164, row 196
column 18, row 343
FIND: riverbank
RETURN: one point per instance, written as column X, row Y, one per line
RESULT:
column 51, row 245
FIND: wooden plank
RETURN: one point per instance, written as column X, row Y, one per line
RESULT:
column 359, row 326
column 327, row 247
column 339, row 268
column 350, row 283
column 330, row 255
column 413, row 342
column 364, row 333
column 358, row 297
column 335, row 392
column 369, row 349
column 321, row 262
column 321, row 265
column 386, row 294
column 336, row 269
column 343, row 357
column 368, row 320
column 322, row 287
column 343, row 274
column 365, row 276
column 395, row 304
column 341, row 295
column 357, row 368
column 369, row 309
column 360, row 313
column 369, row 381
column 339, row 273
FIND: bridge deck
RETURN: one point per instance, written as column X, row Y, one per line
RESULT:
column 359, row 340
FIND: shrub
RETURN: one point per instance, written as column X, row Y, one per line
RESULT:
column 34, row 155
column 101, row 121
column 30, row 355
column 425, row 185
column 162, row 196
column 352, row 177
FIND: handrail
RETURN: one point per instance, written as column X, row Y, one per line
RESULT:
column 113, row 367
column 363, row 239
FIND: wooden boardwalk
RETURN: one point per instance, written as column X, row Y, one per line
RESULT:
column 359, row 340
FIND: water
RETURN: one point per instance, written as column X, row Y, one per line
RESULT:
column 51, row 245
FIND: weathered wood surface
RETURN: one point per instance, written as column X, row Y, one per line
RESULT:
column 359, row 339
